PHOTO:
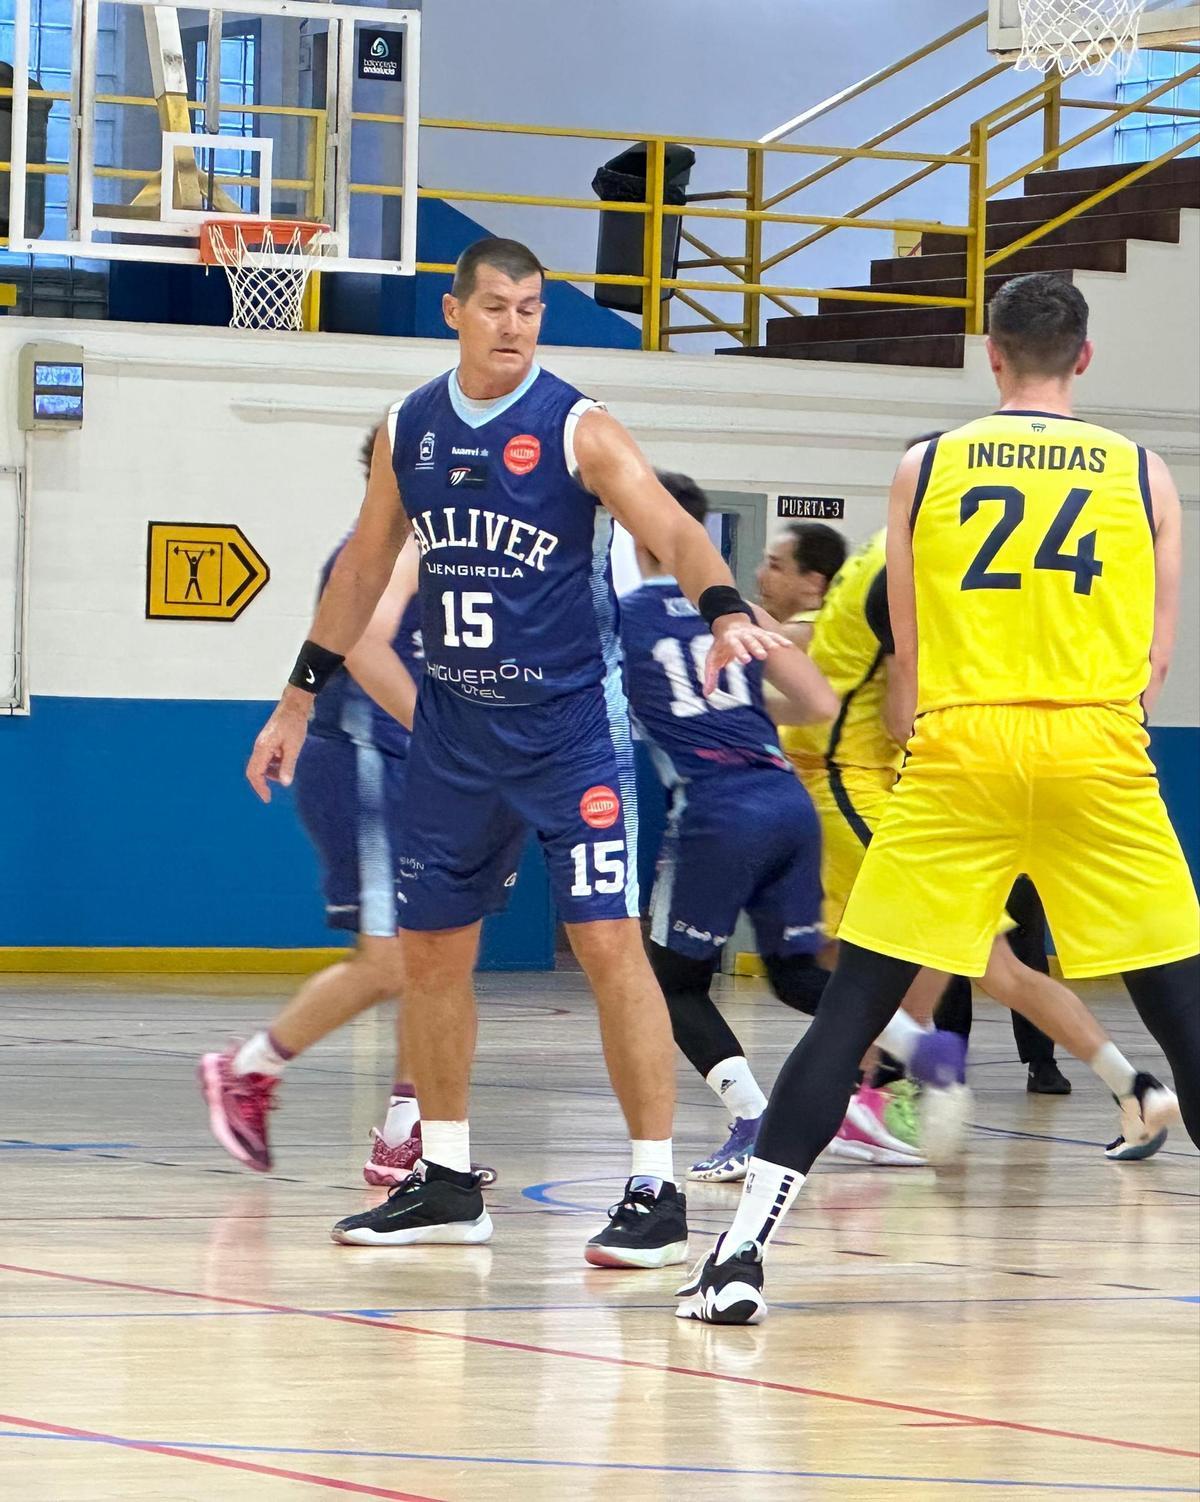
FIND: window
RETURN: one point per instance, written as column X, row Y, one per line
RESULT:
column 1140, row 138
column 239, row 85
column 50, row 69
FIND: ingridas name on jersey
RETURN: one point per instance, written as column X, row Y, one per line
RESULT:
column 517, row 604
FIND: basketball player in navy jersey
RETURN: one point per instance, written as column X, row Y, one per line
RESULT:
column 743, row 835
column 349, row 794
column 510, row 480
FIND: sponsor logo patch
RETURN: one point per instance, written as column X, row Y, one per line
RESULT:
column 522, row 454
column 467, row 474
column 599, row 808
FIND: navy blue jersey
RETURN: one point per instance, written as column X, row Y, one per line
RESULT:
column 666, row 640
column 517, row 604
column 344, row 711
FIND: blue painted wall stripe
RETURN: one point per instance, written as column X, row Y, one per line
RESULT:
column 128, row 822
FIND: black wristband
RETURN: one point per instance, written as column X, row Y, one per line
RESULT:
column 315, row 666
column 722, row 599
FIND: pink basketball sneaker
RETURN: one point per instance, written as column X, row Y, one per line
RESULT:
column 863, row 1136
column 388, row 1165
column 237, row 1108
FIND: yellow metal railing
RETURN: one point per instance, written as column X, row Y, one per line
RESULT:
column 742, row 271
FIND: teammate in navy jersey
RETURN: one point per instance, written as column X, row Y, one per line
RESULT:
column 349, row 793
column 743, row 833
column 510, row 480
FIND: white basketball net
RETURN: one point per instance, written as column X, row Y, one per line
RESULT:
column 1079, row 36
column 267, row 280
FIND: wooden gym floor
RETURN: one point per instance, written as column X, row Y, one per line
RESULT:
column 174, row 1327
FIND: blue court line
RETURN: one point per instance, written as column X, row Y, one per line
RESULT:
column 1091, row 1487
column 15, row 1144
column 542, row 1194
column 602, row 1308
column 991, row 1131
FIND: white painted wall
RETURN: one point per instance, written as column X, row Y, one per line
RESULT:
column 262, row 430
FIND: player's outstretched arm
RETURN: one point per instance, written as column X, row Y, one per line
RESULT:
column 616, row 471
column 901, row 597
column 359, row 578
column 802, row 692
column 1168, row 556
column 373, row 663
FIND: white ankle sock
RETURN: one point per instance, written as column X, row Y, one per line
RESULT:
column 1114, row 1069
column 732, row 1082
column 258, row 1055
column 403, row 1114
column 901, row 1036
column 766, row 1197
column 447, row 1143
column 652, row 1160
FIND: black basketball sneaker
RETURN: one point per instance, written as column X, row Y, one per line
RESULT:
column 433, row 1205
column 647, row 1229
column 725, row 1293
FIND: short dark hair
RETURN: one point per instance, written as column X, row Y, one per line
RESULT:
column 366, row 449
column 686, row 492
column 816, row 548
column 516, row 261
column 1039, row 322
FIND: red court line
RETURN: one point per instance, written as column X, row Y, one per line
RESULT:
column 760, row 1383
column 151, row 1448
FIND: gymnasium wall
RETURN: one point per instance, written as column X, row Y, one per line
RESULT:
column 125, row 819
column 679, row 66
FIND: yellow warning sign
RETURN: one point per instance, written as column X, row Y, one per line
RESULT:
column 196, row 571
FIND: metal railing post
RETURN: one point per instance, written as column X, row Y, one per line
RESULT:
column 977, row 220
column 1052, row 118
column 656, row 157
column 752, row 301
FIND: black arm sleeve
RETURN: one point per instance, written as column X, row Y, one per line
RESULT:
column 878, row 617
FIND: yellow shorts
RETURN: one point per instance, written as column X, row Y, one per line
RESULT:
column 850, row 802
column 1066, row 795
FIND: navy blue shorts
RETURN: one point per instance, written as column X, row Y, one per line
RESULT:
column 742, row 840
column 480, row 778
column 350, row 798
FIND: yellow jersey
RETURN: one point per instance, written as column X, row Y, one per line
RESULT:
column 848, row 652
column 1033, row 562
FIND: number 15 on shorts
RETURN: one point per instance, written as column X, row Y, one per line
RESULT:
column 599, row 867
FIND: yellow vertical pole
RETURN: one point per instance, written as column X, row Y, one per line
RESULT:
column 315, row 172
column 1052, row 118
column 977, row 222
column 752, row 271
column 656, row 155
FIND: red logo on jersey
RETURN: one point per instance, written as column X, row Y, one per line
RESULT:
column 599, row 808
column 522, row 453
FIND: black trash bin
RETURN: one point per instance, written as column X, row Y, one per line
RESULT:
column 35, row 151
column 619, row 251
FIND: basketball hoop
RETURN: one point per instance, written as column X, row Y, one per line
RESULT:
column 1079, row 36
column 268, row 263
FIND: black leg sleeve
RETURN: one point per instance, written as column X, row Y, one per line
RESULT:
column 814, row 1085
column 797, row 980
column 1168, row 1001
column 704, row 1037
column 1028, row 943
column 953, row 1013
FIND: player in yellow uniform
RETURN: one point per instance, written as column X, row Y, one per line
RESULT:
column 1033, row 579
column 849, row 768
column 797, row 567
